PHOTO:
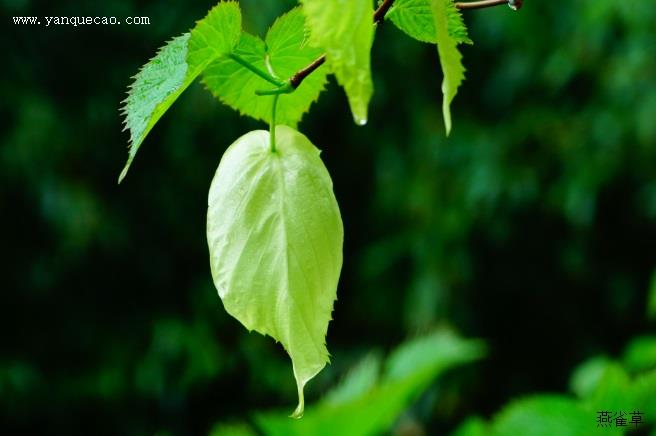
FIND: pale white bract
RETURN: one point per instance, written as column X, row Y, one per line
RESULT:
column 275, row 238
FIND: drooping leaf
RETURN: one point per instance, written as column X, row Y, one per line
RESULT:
column 345, row 30
column 275, row 238
column 161, row 81
column 415, row 18
column 283, row 53
column 450, row 59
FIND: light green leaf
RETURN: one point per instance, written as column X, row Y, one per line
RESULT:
column 345, row 30
column 284, row 53
column 415, row 18
column 161, row 81
column 450, row 59
column 275, row 237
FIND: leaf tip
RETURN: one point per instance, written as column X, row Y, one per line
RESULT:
column 124, row 172
column 298, row 413
column 446, row 113
column 360, row 111
column 300, row 409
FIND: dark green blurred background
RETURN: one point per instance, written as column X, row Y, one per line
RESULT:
column 532, row 227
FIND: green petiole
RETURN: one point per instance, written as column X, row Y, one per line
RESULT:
column 286, row 88
column 272, row 126
column 263, row 74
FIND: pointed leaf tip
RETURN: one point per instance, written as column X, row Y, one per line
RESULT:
column 345, row 30
column 124, row 172
column 450, row 58
column 300, row 409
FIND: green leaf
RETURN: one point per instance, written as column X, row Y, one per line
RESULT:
column 161, row 81
column 415, row 18
column 613, row 390
column 275, row 237
column 360, row 379
column 373, row 411
column 283, row 53
column 440, row 350
column 587, row 376
column 640, row 354
column 345, row 30
column 450, row 59
column 472, row 426
column 644, row 394
column 544, row 415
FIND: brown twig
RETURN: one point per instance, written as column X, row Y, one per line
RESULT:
column 380, row 13
column 300, row 75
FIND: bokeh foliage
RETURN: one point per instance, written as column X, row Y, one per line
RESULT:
column 532, row 227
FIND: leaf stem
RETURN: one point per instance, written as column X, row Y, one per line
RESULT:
column 379, row 14
column 263, row 74
column 272, row 126
column 286, row 88
column 300, row 75
column 480, row 4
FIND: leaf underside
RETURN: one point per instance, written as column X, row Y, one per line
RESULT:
column 345, row 30
column 275, row 237
column 283, row 52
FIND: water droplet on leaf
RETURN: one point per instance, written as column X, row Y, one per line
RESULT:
column 515, row 5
